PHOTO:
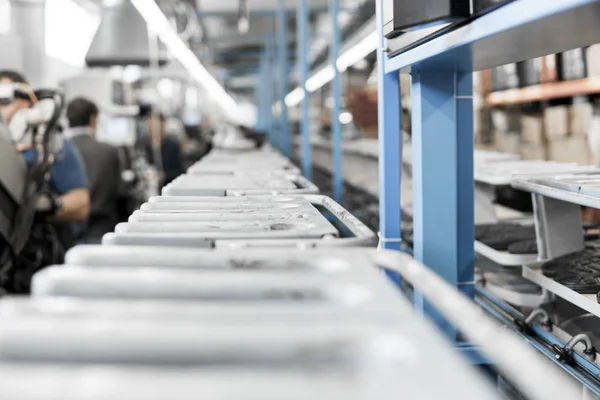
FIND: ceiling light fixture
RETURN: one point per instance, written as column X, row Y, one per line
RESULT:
column 158, row 22
column 243, row 17
column 325, row 75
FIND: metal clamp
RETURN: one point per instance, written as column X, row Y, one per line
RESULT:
column 525, row 325
column 565, row 354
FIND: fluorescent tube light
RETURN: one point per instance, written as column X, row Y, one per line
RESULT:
column 348, row 58
column 158, row 22
column 295, row 97
column 357, row 52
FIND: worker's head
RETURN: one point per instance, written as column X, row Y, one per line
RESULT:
column 21, row 101
column 82, row 112
column 156, row 126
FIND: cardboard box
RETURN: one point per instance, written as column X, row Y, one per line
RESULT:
column 533, row 151
column 580, row 118
column 508, row 142
column 571, row 149
column 593, row 61
column 556, row 122
column 532, row 129
column 500, row 120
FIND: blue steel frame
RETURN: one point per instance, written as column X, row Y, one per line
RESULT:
column 270, row 92
column 336, row 125
column 303, row 24
column 443, row 186
column 284, row 142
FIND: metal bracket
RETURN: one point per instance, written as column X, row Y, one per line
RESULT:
column 485, row 210
column 558, row 227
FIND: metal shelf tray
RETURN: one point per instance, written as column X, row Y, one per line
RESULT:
column 504, row 258
column 280, row 228
column 371, row 376
column 582, row 188
column 239, row 185
column 232, row 312
column 587, row 302
column 498, row 173
column 276, row 275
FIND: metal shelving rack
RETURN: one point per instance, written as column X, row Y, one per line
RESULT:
column 442, row 121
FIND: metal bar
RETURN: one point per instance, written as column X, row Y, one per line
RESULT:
column 262, row 93
column 390, row 146
column 261, row 12
column 284, row 74
column 501, row 29
column 545, row 336
column 271, row 91
column 443, row 185
column 529, row 371
column 303, row 67
column 336, row 126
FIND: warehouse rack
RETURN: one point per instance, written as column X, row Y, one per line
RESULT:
column 442, row 120
column 558, row 221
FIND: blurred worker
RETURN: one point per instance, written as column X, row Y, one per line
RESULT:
column 68, row 178
column 170, row 150
column 53, row 233
column 103, row 167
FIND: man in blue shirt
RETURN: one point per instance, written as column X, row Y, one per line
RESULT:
column 68, row 178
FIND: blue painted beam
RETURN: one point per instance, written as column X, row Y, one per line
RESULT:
column 270, row 95
column 390, row 148
column 285, row 144
column 491, row 39
column 336, row 126
column 303, row 25
column 443, row 186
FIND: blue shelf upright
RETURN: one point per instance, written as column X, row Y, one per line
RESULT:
column 284, row 143
column 442, row 147
column 442, row 122
column 336, row 125
column 303, row 26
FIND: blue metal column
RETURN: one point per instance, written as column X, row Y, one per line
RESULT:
column 284, row 71
column 270, row 123
column 338, row 184
column 443, row 186
column 303, row 25
column 390, row 146
column 260, row 91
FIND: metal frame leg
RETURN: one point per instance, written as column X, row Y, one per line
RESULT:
column 270, row 96
column 558, row 227
column 390, row 150
column 338, row 182
column 303, row 23
column 284, row 72
column 443, row 186
column 390, row 146
column 485, row 208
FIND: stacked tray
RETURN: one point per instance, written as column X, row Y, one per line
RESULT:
column 190, row 312
column 242, row 221
column 140, row 323
column 238, row 184
column 573, row 275
column 511, row 244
